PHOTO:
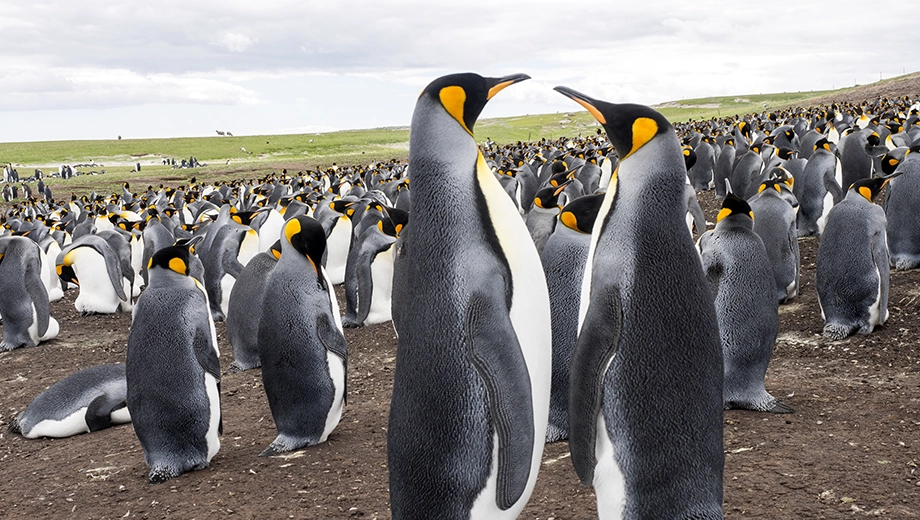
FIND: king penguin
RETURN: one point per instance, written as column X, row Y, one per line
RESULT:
column 91, row 263
column 563, row 259
column 301, row 344
column 471, row 310
column 24, row 308
column 245, row 308
column 173, row 369
column 645, row 398
column 86, row 401
column 774, row 223
column 901, row 207
column 736, row 265
column 852, row 270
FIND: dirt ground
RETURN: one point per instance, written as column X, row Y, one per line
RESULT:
column 849, row 451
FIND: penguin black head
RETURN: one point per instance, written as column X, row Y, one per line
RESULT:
column 892, row 159
column 581, row 213
column 175, row 258
column 870, row 188
column 308, row 238
column 689, row 157
column 629, row 127
column 823, row 144
column 549, row 197
column 65, row 270
column 464, row 95
column 398, row 219
column 275, row 249
column 734, row 205
column 770, row 184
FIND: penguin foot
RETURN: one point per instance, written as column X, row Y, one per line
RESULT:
column 836, row 332
column 236, row 366
column 779, row 407
column 903, row 264
column 88, row 313
column 160, row 475
column 349, row 323
column 6, row 347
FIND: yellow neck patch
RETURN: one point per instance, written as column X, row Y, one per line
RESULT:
column 866, row 192
column 643, row 130
column 179, row 266
column 568, row 220
column 724, row 212
column 453, row 98
column 291, row 229
column 276, row 254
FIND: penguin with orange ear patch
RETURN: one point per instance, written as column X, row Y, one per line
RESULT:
column 471, row 308
column 736, row 265
column 645, row 394
column 301, row 345
column 173, row 369
column 852, row 268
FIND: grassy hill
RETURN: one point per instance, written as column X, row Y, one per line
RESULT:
column 249, row 156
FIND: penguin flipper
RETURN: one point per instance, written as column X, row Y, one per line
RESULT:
column 372, row 246
column 595, row 348
column 496, row 355
column 333, row 341
column 99, row 412
column 833, row 187
column 39, row 295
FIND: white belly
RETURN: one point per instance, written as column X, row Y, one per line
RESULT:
column 96, row 291
column 382, row 279
column 337, row 246
column 337, row 373
column 71, row 425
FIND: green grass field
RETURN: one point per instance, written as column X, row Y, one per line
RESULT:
column 253, row 156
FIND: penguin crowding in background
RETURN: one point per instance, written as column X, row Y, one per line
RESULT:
column 524, row 283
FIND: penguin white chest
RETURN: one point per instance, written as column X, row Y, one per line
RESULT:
column 337, row 246
column 96, row 291
column 382, row 280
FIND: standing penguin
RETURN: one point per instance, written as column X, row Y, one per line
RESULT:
column 24, row 308
column 86, row 401
column 645, row 401
column 245, row 309
column 774, row 223
column 173, row 369
column 301, row 345
column 375, row 268
column 901, row 207
column 851, row 271
column 817, row 189
column 471, row 308
column 735, row 262
column 563, row 259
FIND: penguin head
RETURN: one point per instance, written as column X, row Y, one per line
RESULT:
column 823, row 144
column 734, row 205
column 689, row 157
column 581, row 213
column 464, row 95
column 175, row 258
column 870, row 188
column 275, row 249
column 307, row 237
column 548, row 197
column 629, row 127
column 892, row 159
column 397, row 219
column 65, row 270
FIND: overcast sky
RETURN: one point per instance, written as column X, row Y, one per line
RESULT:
column 86, row 69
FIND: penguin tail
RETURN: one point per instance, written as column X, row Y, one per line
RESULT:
column 836, row 332
column 15, row 427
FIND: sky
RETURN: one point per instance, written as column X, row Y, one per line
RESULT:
column 88, row 69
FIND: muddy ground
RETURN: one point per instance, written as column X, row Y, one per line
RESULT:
column 849, row 451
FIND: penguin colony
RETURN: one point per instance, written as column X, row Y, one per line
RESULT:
column 541, row 292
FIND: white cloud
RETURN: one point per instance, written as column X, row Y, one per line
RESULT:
column 235, row 42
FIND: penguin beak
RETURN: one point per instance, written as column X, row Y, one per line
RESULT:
column 497, row 84
column 589, row 103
